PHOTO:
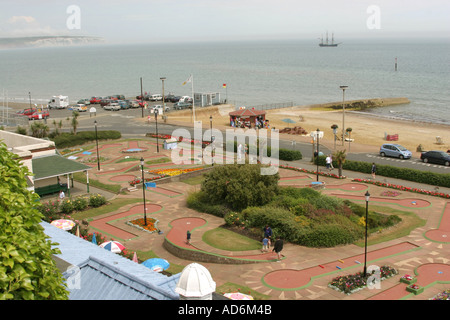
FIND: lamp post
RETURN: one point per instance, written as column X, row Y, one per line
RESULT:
column 211, row 138
column 367, row 196
column 96, row 141
column 143, row 190
column 343, row 111
column 317, row 158
column 156, row 121
column 163, row 99
column 142, row 100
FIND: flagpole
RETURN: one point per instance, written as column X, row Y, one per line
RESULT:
column 193, row 100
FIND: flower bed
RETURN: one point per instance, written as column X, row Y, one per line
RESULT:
column 414, row 288
column 140, row 224
column 325, row 174
column 403, row 188
column 352, row 283
column 389, row 193
column 139, row 180
column 172, row 172
column 408, row 279
column 444, row 295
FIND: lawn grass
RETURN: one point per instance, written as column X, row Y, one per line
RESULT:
column 111, row 206
column 224, row 239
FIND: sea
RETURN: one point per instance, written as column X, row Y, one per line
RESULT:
column 245, row 73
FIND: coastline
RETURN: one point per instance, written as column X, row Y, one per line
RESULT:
column 368, row 129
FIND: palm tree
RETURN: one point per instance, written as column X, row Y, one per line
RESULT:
column 39, row 130
column 75, row 115
column 340, row 158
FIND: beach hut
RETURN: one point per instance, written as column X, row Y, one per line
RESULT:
column 247, row 117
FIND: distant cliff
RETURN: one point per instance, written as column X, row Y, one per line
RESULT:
column 47, row 41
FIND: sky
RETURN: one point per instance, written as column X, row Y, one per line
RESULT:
column 156, row 21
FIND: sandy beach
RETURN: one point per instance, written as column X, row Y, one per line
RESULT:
column 368, row 131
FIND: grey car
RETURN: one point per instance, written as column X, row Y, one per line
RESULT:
column 394, row 150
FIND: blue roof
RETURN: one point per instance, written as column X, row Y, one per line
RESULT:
column 105, row 275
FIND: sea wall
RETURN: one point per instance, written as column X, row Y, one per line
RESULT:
column 363, row 103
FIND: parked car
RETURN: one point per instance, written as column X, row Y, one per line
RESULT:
column 78, row 107
column 113, row 106
column 155, row 97
column 159, row 108
column 439, row 157
column 395, row 150
column 135, row 104
column 124, row 104
column 181, row 105
column 27, row 112
column 172, row 98
column 39, row 115
column 105, row 102
column 185, row 99
column 86, row 102
column 95, row 100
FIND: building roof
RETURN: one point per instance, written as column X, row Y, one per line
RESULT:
column 107, row 275
column 247, row 113
column 55, row 165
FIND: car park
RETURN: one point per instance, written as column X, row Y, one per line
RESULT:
column 39, row 115
column 113, row 106
column 395, row 150
column 438, row 157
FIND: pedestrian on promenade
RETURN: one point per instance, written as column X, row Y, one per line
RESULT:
column 373, row 170
column 277, row 248
column 61, row 195
column 188, row 237
column 328, row 162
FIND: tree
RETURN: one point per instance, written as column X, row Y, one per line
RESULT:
column 340, row 158
column 39, row 130
column 239, row 185
column 27, row 270
column 75, row 115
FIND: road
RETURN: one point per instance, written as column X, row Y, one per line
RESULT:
column 123, row 121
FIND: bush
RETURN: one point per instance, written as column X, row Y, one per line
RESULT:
column 65, row 140
column 330, row 235
column 66, row 206
column 50, row 210
column 96, row 200
column 80, row 203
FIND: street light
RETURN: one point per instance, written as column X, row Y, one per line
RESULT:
column 367, row 195
column 96, row 141
column 343, row 111
column 162, row 79
column 210, row 125
column 317, row 158
column 143, row 190
column 156, row 119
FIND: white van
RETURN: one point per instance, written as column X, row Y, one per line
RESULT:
column 58, row 102
column 185, row 99
column 155, row 97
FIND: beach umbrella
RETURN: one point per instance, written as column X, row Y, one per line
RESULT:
column 135, row 258
column 113, row 246
column 78, row 231
column 288, row 120
column 94, row 240
column 156, row 264
column 238, row 296
column 63, row 224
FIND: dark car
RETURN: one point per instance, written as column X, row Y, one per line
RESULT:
column 172, row 98
column 439, row 157
column 182, row 105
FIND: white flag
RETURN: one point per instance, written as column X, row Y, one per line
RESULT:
column 188, row 80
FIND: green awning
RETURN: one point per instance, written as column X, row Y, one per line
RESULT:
column 55, row 165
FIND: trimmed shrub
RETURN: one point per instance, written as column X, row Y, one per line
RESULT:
column 96, row 200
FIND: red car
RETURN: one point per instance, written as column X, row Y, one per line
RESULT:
column 95, row 100
column 39, row 115
column 27, row 112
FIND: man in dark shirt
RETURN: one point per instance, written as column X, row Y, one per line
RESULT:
column 278, row 247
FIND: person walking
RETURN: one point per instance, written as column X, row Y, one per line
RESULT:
column 61, row 195
column 268, row 234
column 373, row 170
column 277, row 248
column 188, row 237
column 265, row 242
column 328, row 162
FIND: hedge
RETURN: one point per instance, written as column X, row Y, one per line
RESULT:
column 65, row 140
column 283, row 154
column 427, row 177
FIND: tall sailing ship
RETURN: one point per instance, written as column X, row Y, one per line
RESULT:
column 326, row 43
